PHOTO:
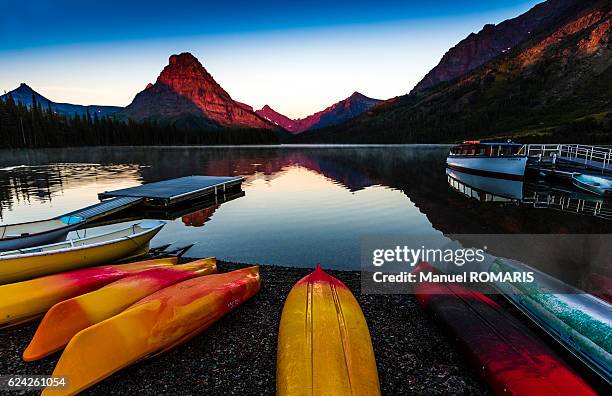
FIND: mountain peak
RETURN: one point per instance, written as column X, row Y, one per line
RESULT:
column 183, row 91
column 184, row 58
column 337, row 113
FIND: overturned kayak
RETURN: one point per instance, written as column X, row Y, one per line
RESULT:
column 132, row 241
column 324, row 345
column 153, row 325
column 68, row 317
column 24, row 301
column 579, row 321
column 507, row 355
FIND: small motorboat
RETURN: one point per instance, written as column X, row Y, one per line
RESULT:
column 129, row 242
column 36, row 233
column 500, row 160
column 594, row 184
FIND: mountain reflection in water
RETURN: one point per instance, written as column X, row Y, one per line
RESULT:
column 302, row 204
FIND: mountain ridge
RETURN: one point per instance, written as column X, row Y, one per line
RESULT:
column 554, row 85
column 24, row 93
column 339, row 112
column 493, row 40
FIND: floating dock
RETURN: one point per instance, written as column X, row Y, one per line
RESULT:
column 170, row 192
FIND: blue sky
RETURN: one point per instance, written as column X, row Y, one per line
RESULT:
column 297, row 56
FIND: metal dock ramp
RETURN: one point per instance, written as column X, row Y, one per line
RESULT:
column 99, row 210
column 171, row 192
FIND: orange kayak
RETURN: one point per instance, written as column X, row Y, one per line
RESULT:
column 153, row 325
column 68, row 317
column 24, row 301
column 324, row 345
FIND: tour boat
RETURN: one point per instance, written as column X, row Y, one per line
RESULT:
column 501, row 160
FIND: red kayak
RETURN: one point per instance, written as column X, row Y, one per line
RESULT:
column 509, row 357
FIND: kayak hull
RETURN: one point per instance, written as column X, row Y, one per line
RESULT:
column 68, row 317
column 153, row 325
column 510, row 359
column 324, row 345
column 24, row 301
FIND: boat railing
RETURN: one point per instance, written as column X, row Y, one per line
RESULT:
column 593, row 156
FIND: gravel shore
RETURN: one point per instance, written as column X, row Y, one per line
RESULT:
column 237, row 356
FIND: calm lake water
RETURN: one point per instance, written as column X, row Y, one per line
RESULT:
column 301, row 205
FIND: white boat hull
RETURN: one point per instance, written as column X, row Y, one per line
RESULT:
column 509, row 167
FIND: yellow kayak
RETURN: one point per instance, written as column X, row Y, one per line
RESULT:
column 132, row 241
column 68, row 317
column 24, row 301
column 153, row 325
column 324, row 345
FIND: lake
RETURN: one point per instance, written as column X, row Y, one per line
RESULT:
column 301, row 205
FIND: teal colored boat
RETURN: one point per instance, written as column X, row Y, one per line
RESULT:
column 579, row 321
column 601, row 186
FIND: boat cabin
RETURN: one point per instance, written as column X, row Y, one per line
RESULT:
column 492, row 149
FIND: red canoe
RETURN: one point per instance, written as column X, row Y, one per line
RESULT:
column 509, row 357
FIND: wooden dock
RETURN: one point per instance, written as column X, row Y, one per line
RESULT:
column 170, row 192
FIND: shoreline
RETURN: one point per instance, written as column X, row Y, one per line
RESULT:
column 237, row 355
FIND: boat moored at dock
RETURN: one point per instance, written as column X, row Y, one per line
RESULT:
column 501, row 160
column 597, row 185
column 129, row 242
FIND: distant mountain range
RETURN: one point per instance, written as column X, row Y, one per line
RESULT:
column 545, row 75
column 340, row 112
column 549, row 80
column 24, row 94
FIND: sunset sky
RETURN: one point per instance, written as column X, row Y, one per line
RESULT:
column 299, row 57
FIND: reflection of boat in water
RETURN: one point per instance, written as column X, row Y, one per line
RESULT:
column 501, row 160
column 487, row 189
column 539, row 195
column 594, row 184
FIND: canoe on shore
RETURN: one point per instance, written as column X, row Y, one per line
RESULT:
column 24, row 301
column 153, row 325
column 505, row 352
column 324, row 345
column 36, row 233
column 130, row 242
column 68, row 317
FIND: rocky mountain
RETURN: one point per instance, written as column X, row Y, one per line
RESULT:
column 493, row 40
column 339, row 112
column 24, row 94
column 186, row 95
column 553, row 86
